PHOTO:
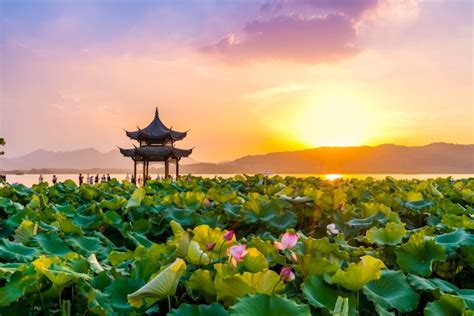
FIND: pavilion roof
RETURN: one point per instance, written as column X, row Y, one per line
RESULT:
column 153, row 153
column 156, row 131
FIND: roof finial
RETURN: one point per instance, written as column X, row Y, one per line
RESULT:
column 156, row 111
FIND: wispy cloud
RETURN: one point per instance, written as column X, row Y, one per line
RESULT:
column 274, row 91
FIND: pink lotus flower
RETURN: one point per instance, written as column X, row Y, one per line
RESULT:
column 210, row 246
column 340, row 206
column 229, row 235
column 288, row 241
column 331, row 229
column 236, row 254
column 207, row 203
column 286, row 274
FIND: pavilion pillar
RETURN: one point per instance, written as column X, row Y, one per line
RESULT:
column 144, row 167
column 134, row 171
column 167, row 169
column 177, row 168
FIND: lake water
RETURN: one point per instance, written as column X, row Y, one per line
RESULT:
column 30, row 179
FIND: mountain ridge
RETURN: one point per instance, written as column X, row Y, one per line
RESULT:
column 437, row 157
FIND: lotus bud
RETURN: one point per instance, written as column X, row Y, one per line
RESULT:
column 207, row 203
column 210, row 246
column 332, row 229
column 340, row 206
column 229, row 235
column 289, row 240
column 286, row 274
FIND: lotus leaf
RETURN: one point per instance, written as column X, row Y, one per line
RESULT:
column 261, row 304
column 358, row 274
column 161, row 286
column 447, row 305
column 418, row 254
column 391, row 234
column 392, row 291
column 214, row 309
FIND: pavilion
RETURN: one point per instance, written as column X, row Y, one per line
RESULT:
column 155, row 144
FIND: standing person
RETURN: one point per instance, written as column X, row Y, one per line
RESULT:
column 40, row 179
column 102, row 179
column 127, row 178
column 133, row 180
column 91, row 180
column 55, row 179
column 81, row 179
column 139, row 180
column 96, row 180
column 108, row 177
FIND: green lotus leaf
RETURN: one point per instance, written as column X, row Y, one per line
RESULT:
column 58, row 273
column 322, row 295
column 25, row 231
column 112, row 218
column 414, row 196
column 455, row 239
column 391, row 234
column 255, row 261
column 363, row 223
column 16, row 288
column 176, row 228
column 268, row 250
column 418, row 254
column 183, row 216
column 118, row 291
column 161, row 286
column 66, row 225
column 262, row 304
column 84, row 245
column 358, row 274
column 7, row 269
column 13, row 251
column 136, row 199
column 99, row 303
column 221, row 196
column 232, row 210
column 446, row 305
column 457, row 221
column 182, row 246
column 116, row 203
column 202, row 282
column 232, row 287
column 95, row 264
column 214, row 309
column 51, row 244
column 195, row 255
column 282, row 221
column 308, row 265
column 434, row 285
column 205, row 235
column 372, row 209
column 38, row 201
column 116, row 257
column 392, row 291
column 67, row 210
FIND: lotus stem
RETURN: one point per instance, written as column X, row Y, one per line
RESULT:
column 169, row 304
column 220, row 249
column 200, row 257
column 274, row 287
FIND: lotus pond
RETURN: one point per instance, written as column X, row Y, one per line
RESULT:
column 248, row 245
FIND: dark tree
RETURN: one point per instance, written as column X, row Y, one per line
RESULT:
column 2, row 142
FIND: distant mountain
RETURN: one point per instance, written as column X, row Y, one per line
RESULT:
column 81, row 159
column 433, row 158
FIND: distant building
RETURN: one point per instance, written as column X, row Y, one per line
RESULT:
column 156, row 144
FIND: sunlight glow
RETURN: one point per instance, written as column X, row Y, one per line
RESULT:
column 336, row 121
column 333, row 176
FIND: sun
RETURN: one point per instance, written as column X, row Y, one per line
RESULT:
column 335, row 122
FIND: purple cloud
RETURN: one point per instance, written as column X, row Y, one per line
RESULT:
column 317, row 39
column 351, row 8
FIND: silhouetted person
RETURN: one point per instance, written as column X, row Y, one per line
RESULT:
column 55, row 179
column 108, row 177
column 139, row 180
column 40, row 179
column 81, row 179
column 127, row 177
column 134, row 181
column 96, row 179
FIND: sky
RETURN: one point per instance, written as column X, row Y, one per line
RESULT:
column 246, row 77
